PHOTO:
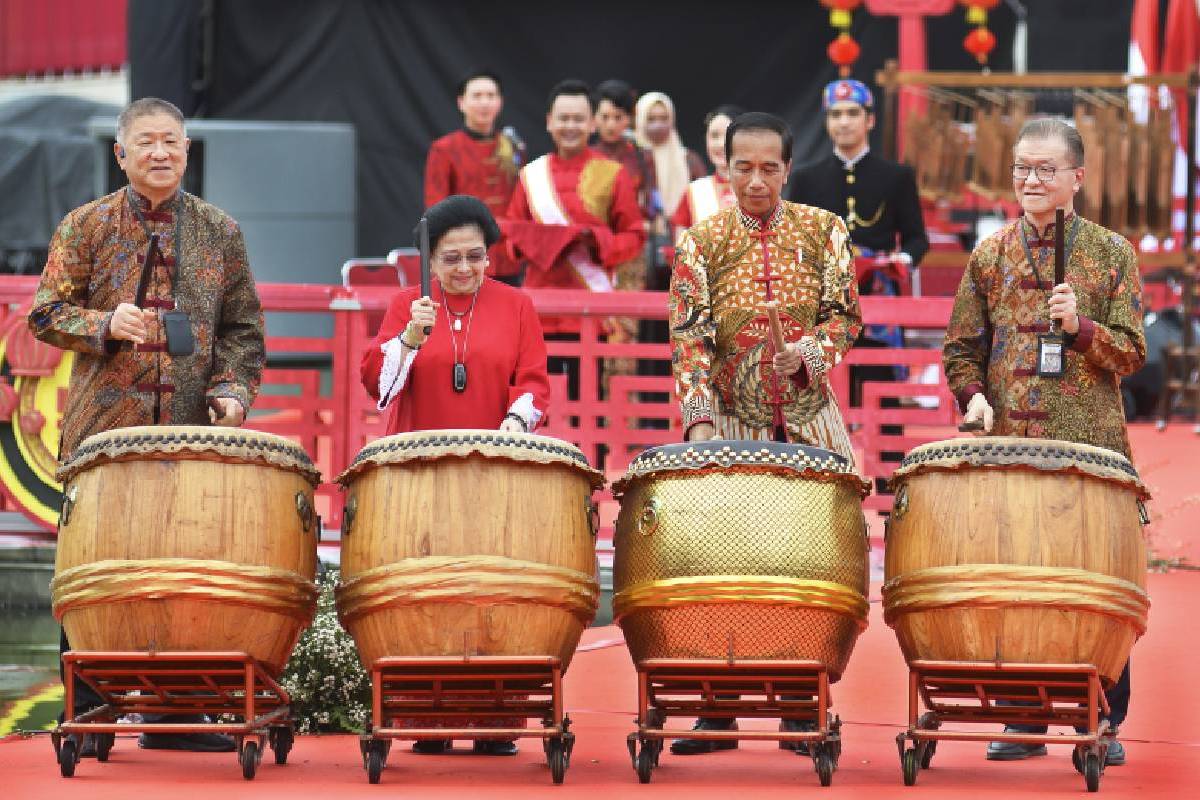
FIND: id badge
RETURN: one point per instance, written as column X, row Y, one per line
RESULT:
column 1050, row 355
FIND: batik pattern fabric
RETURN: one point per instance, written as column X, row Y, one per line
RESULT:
column 95, row 263
column 1002, row 307
column 726, row 268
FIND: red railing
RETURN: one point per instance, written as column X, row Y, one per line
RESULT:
column 324, row 408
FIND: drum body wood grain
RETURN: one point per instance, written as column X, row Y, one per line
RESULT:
column 187, row 538
column 468, row 542
column 1019, row 550
column 754, row 550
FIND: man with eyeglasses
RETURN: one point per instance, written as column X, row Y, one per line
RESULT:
column 190, row 352
column 1005, row 307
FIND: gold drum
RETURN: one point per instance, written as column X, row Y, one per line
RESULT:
column 1017, row 550
column 468, row 542
column 750, row 550
column 187, row 538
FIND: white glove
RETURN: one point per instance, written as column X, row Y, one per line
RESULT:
column 978, row 409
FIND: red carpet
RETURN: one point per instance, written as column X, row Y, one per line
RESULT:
column 1160, row 734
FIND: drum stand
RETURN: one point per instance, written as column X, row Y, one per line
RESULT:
column 193, row 683
column 728, row 689
column 967, row 692
column 467, row 689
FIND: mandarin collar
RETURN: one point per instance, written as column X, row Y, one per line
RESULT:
column 755, row 223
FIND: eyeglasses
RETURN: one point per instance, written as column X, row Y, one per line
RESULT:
column 1045, row 172
column 452, row 260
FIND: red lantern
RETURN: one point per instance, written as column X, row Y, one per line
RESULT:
column 979, row 43
column 986, row 5
column 843, row 51
column 29, row 357
column 842, row 5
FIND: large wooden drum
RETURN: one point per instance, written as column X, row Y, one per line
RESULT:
column 468, row 542
column 752, row 550
column 187, row 538
column 1017, row 550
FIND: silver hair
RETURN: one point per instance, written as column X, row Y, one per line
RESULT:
column 144, row 107
column 1050, row 128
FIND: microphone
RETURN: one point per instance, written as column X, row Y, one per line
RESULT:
column 510, row 133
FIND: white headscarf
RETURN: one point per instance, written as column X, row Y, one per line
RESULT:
column 670, row 157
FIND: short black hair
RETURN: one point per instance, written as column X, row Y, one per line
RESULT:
column 723, row 110
column 759, row 121
column 456, row 211
column 571, row 87
column 617, row 92
column 479, row 73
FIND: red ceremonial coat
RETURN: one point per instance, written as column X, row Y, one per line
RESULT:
column 596, row 195
column 483, row 167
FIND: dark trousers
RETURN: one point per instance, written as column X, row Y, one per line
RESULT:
column 1118, row 705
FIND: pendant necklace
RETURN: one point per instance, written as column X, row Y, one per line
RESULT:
column 459, row 374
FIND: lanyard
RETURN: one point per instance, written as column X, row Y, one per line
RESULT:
column 1068, row 246
column 137, row 210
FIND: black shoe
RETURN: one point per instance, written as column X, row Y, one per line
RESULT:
column 1116, row 755
column 695, row 747
column 87, row 749
column 193, row 742
column 491, row 747
column 799, row 748
column 1014, row 751
column 431, row 747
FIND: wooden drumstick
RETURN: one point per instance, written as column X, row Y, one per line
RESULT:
column 776, row 327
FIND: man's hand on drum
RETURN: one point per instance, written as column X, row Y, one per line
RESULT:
column 701, row 432
column 226, row 412
column 978, row 410
column 1064, row 308
column 130, row 323
column 788, row 361
column 424, row 314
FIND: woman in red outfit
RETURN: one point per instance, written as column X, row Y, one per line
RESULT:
column 484, row 363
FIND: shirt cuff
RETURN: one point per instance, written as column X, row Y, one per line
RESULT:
column 1083, row 338
column 964, row 396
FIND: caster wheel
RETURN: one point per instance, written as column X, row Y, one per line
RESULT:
column 249, row 758
column 558, row 762
column 374, row 762
column 927, row 754
column 104, row 746
column 1091, row 772
column 1077, row 759
column 281, row 743
column 68, row 757
column 825, row 765
column 910, row 763
column 645, row 763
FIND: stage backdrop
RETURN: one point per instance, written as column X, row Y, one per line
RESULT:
column 390, row 68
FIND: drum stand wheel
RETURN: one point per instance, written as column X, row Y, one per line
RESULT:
column 991, row 693
column 796, row 691
column 204, row 684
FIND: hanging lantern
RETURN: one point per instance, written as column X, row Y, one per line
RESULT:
column 843, row 50
column 980, row 42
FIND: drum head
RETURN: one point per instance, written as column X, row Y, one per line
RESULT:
column 1013, row 452
column 786, row 459
column 190, row 442
column 430, row 445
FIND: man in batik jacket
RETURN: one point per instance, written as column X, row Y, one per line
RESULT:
column 86, row 302
column 1006, row 301
column 729, row 380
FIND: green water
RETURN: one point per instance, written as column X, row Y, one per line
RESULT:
column 30, row 692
